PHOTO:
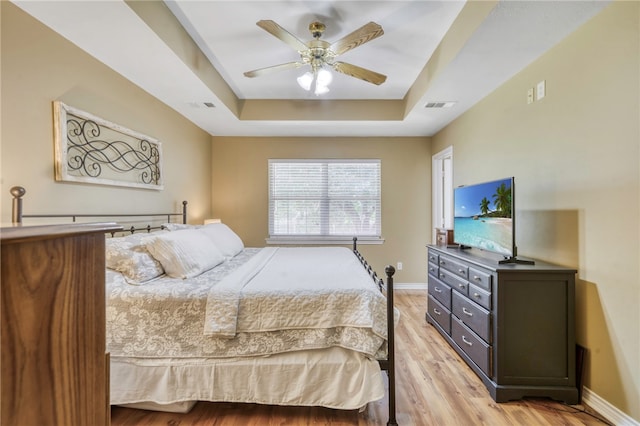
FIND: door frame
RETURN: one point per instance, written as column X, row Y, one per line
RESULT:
column 442, row 190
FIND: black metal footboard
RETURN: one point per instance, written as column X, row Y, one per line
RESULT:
column 388, row 364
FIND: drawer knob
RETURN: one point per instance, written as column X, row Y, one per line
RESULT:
column 442, row 262
column 464, row 339
column 476, row 278
column 436, row 311
column 437, row 290
column 476, row 295
column 442, row 276
column 461, row 271
column 467, row 312
column 460, row 285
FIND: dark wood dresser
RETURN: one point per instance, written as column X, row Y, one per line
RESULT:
column 514, row 325
column 54, row 365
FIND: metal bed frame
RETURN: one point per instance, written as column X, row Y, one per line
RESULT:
column 387, row 365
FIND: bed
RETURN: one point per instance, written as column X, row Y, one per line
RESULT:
column 194, row 315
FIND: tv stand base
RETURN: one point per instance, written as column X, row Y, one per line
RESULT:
column 516, row 261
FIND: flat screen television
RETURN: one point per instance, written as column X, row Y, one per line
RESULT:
column 484, row 217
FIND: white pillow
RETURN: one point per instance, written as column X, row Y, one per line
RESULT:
column 171, row 226
column 129, row 256
column 186, row 253
column 224, row 238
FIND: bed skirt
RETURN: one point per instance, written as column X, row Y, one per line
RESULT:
column 333, row 378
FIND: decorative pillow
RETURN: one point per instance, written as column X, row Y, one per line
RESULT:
column 224, row 238
column 129, row 256
column 186, row 253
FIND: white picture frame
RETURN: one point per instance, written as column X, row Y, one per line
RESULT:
column 89, row 149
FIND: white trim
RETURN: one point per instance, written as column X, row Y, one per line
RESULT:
column 606, row 410
column 287, row 240
column 410, row 286
column 441, row 190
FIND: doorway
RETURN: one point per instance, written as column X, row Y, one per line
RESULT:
column 442, row 191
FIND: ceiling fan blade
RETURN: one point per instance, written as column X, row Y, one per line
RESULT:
column 268, row 70
column 359, row 72
column 284, row 35
column 360, row 36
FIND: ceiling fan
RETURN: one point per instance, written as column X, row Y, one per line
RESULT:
column 319, row 53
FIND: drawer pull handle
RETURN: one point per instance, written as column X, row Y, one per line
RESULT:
column 442, row 276
column 476, row 278
column 436, row 311
column 460, row 285
column 464, row 339
column 442, row 262
column 467, row 312
column 476, row 295
column 437, row 290
column 461, row 271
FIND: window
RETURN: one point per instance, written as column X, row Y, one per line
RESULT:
column 324, row 200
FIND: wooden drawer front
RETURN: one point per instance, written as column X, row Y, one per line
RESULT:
column 440, row 314
column 440, row 291
column 433, row 257
column 458, row 268
column 432, row 269
column 457, row 283
column 472, row 315
column 478, row 295
column 480, row 278
column 472, row 345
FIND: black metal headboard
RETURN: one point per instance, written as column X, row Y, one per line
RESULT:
column 16, row 213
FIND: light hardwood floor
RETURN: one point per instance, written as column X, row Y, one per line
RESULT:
column 434, row 387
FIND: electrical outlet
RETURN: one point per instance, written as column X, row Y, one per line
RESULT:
column 530, row 96
column 399, row 268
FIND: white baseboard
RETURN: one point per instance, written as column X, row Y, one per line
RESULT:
column 409, row 286
column 605, row 409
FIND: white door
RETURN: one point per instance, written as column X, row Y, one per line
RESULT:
column 442, row 193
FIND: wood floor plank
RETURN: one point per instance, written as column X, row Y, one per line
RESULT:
column 434, row 387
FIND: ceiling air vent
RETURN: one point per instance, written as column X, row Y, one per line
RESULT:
column 209, row 105
column 440, row 104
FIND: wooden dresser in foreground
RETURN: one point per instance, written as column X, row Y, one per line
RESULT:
column 514, row 325
column 54, row 365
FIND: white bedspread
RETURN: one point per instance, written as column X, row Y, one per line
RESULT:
column 273, row 301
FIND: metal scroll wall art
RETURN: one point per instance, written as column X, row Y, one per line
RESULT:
column 92, row 150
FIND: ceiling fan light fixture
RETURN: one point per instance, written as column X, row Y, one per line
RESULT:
column 305, row 80
column 319, row 80
column 321, row 90
column 324, row 77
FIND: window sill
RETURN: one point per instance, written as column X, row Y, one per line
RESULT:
column 289, row 240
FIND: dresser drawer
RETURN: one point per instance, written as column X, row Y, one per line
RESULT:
column 472, row 315
column 440, row 314
column 457, row 283
column 472, row 345
column 478, row 295
column 433, row 257
column 440, row 291
column 432, row 269
column 458, row 268
column 480, row 278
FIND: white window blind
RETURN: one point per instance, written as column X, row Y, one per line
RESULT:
column 324, row 198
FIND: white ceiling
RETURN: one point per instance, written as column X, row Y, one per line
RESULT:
column 143, row 41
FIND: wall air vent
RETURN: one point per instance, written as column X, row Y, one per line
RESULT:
column 448, row 104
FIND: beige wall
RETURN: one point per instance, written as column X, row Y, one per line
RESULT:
column 575, row 156
column 240, row 191
column 38, row 67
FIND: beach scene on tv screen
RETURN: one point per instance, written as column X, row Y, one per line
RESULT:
column 483, row 216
